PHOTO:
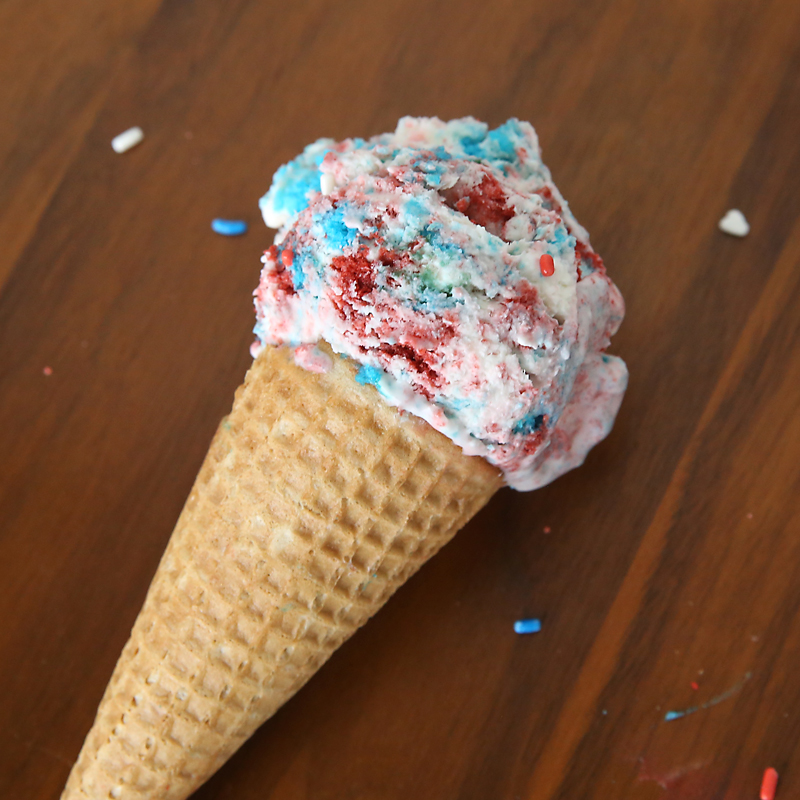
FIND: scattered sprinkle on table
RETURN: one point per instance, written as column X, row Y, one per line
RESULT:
column 48, row 371
column 229, row 227
column 546, row 529
column 527, row 626
column 672, row 715
column 695, row 685
column 734, row 223
column 127, row 139
column 769, row 783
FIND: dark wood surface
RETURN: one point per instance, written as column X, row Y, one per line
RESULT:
column 674, row 552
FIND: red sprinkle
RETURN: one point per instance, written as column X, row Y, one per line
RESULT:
column 546, row 529
column 547, row 265
column 695, row 685
column 48, row 371
column 769, row 783
column 287, row 258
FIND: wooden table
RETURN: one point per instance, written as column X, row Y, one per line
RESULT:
column 666, row 570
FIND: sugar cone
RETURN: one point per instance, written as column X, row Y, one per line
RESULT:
column 315, row 502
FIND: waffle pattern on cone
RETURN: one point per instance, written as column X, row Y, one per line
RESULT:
column 316, row 500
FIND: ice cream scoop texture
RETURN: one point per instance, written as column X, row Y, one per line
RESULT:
column 418, row 254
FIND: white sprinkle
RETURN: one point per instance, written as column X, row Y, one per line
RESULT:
column 326, row 183
column 734, row 223
column 127, row 139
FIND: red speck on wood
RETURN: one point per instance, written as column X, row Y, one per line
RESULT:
column 769, row 783
column 696, row 781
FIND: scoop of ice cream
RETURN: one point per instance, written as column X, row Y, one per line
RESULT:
column 443, row 259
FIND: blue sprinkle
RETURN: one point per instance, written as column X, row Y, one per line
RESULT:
column 670, row 715
column 229, row 227
column 527, row 626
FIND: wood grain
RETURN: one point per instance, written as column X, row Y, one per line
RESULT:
column 56, row 70
column 674, row 550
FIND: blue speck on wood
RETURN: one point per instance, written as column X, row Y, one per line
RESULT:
column 229, row 227
column 527, row 626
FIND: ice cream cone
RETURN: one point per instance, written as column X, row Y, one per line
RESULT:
column 315, row 502
column 446, row 267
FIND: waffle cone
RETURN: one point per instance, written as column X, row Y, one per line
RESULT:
column 316, row 500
